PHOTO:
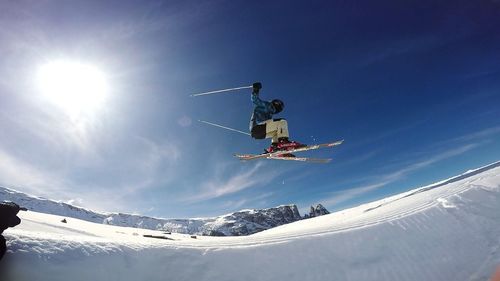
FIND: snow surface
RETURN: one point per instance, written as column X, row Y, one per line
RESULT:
column 446, row 231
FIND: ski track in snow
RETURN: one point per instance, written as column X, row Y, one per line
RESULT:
column 446, row 231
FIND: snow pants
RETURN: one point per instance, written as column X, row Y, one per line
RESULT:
column 273, row 129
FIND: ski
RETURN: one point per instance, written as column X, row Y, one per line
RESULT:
column 278, row 154
column 300, row 159
column 304, row 159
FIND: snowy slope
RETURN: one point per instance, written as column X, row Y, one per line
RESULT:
column 447, row 231
column 243, row 222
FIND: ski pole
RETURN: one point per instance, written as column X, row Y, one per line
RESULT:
column 223, row 127
column 220, row 91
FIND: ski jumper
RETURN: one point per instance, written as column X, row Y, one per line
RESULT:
column 262, row 124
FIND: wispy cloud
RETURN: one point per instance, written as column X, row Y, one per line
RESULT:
column 233, row 204
column 217, row 187
column 361, row 158
column 57, row 172
column 342, row 196
column 153, row 165
column 157, row 153
column 254, row 202
column 486, row 133
column 16, row 173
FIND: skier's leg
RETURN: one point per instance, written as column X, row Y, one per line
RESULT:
column 282, row 129
column 259, row 131
column 272, row 130
column 276, row 130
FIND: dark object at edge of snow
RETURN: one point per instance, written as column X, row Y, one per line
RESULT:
column 157, row 236
column 8, row 218
column 3, row 246
column 64, row 221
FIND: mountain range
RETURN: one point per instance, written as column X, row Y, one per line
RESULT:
column 244, row 222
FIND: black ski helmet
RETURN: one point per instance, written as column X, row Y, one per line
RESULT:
column 278, row 105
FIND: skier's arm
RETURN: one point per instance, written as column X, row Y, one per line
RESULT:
column 256, row 100
column 255, row 94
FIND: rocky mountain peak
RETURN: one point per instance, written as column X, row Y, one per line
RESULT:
column 317, row 211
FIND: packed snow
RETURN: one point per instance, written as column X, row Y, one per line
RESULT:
column 446, row 231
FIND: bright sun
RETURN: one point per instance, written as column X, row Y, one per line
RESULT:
column 75, row 87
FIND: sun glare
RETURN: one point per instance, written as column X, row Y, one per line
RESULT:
column 75, row 87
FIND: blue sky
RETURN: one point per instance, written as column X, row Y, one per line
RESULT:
column 412, row 87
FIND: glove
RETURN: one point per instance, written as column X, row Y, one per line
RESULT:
column 256, row 87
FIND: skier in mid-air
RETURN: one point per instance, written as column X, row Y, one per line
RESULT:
column 262, row 124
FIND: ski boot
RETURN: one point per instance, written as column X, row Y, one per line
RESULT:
column 284, row 144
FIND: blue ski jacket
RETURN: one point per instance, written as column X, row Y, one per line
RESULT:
column 262, row 111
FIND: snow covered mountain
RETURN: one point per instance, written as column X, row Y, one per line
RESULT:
column 446, row 231
column 244, row 222
column 320, row 210
column 252, row 221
